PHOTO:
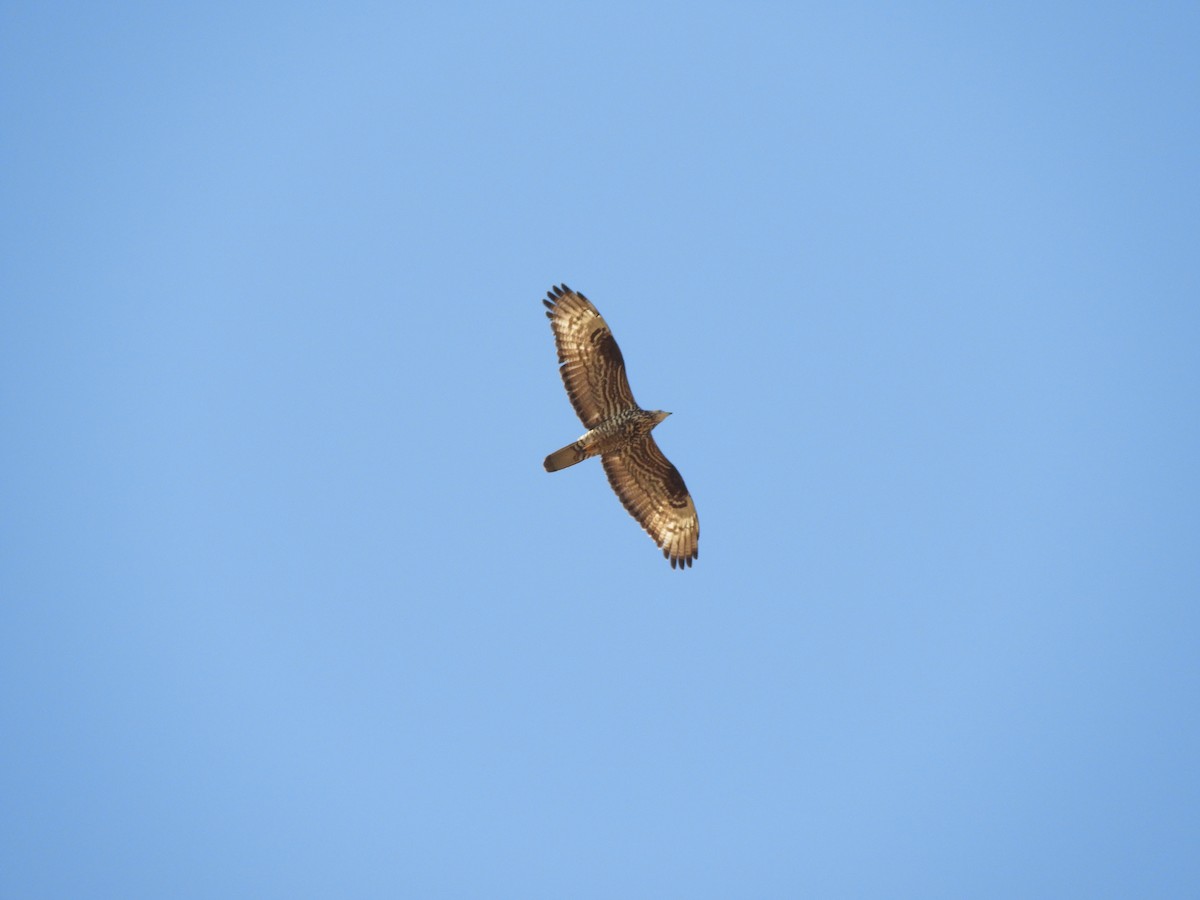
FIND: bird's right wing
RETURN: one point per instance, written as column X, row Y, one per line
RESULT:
column 593, row 370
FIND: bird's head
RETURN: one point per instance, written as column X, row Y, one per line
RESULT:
column 659, row 416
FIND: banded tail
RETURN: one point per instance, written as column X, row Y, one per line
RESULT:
column 567, row 456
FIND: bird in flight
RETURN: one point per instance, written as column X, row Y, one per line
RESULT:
column 618, row 430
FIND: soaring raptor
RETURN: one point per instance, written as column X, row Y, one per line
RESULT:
column 618, row 430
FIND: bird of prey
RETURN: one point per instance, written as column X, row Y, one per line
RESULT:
column 618, row 430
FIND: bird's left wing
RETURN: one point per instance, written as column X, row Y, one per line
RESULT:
column 654, row 493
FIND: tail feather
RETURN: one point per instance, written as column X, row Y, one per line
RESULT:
column 567, row 456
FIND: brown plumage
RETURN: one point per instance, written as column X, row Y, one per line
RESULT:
column 618, row 430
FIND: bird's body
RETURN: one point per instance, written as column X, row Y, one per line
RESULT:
column 610, row 436
column 593, row 372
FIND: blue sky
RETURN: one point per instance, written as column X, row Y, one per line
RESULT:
column 290, row 607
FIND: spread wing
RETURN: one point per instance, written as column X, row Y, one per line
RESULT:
column 592, row 369
column 654, row 493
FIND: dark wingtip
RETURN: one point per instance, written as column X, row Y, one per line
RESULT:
column 681, row 562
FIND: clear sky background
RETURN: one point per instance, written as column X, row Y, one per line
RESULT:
column 289, row 606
